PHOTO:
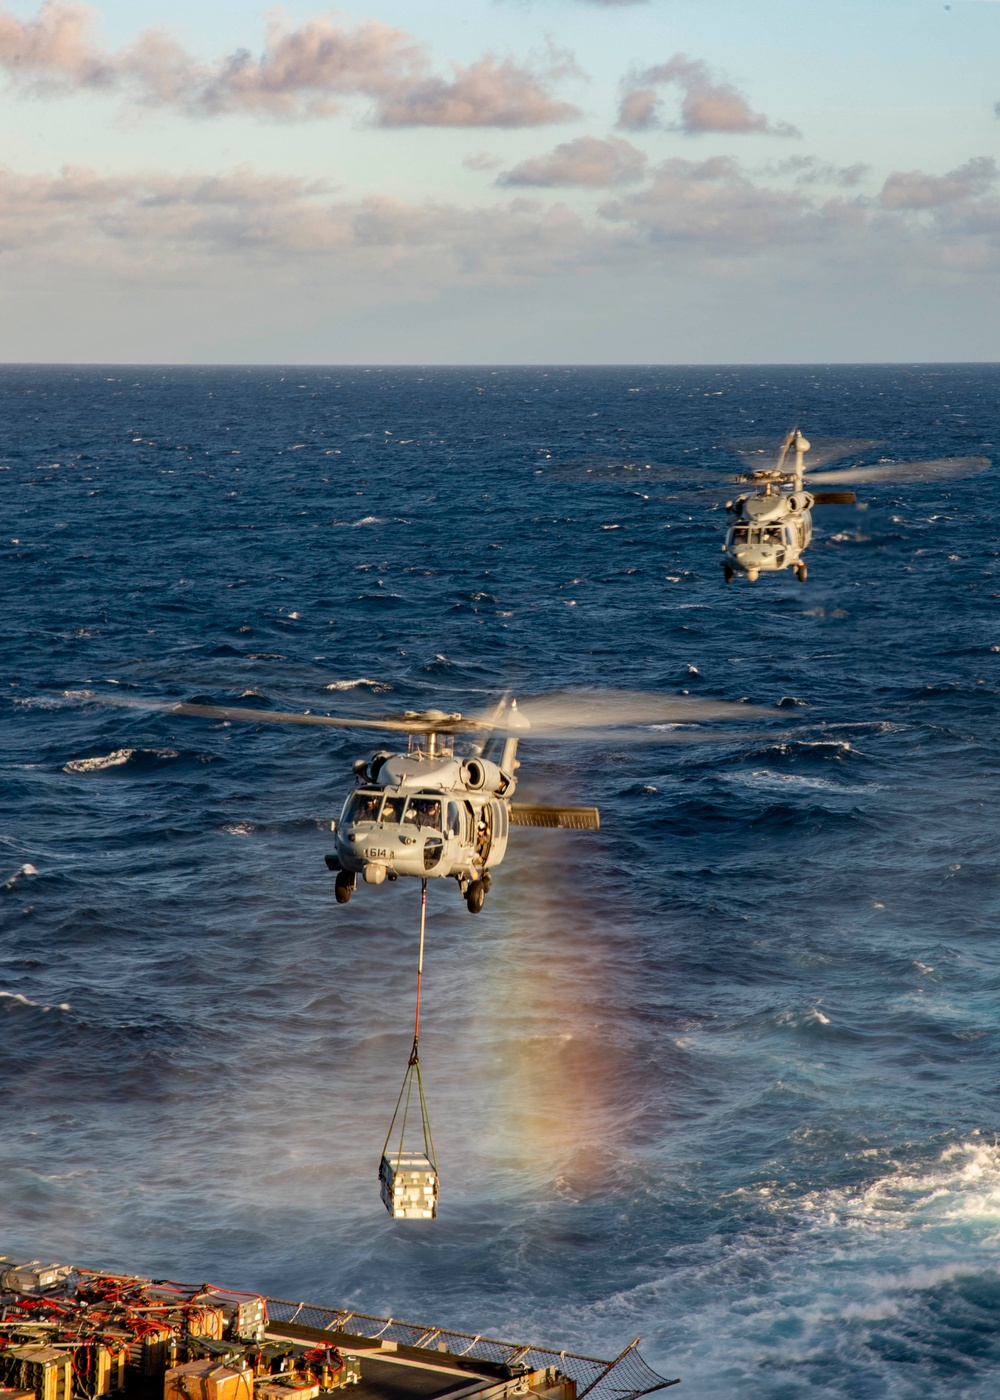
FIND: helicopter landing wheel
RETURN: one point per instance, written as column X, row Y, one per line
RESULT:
column 345, row 887
column 727, row 573
column 475, row 896
column 801, row 572
column 487, row 881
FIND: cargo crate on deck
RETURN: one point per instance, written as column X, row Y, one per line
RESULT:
column 409, row 1185
column 44, row 1370
column 207, row 1380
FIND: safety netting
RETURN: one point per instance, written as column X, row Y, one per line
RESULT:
column 626, row 1377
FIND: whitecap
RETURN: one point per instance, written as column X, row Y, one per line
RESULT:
column 239, row 828
column 378, row 686
column 113, row 760
column 38, row 1005
column 26, row 869
column 764, row 777
column 812, row 1017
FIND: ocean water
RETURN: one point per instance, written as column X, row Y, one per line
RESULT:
column 725, row 1074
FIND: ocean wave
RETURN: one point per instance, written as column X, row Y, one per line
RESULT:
column 120, row 758
column 380, row 687
column 763, row 777
column 961, row 1185
column 22, row 1000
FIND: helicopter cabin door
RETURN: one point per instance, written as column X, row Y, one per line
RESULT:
column 483, row 835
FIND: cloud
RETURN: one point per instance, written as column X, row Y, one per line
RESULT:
column 713, row 203
column 913, row 189
column 486, row 93
column 706, row 105
column 586, row 161
column 302, row 73
column 155, row 223
column 481, row 160
column 709, row 218
column 55, row 46
column 807, row 170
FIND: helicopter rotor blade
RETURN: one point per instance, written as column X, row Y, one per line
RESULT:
column 592, row 716
column 426, row 722
column 937, row 469
column 634, row 470
column 758, row 453
column 624, row 714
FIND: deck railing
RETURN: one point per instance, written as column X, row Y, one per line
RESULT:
column 624, row 1378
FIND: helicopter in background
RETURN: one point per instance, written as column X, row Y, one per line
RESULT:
column 431, row 813
column 770, row 528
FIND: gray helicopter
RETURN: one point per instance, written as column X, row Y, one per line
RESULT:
column 771, row 527
column 432, row 813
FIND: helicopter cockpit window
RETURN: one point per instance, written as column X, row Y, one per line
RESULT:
column 392, row 810
column 363, row 806
column 774, row 535
column 738, row 534
column 423, row 811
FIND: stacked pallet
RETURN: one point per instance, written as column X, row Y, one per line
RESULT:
column 74, row 1334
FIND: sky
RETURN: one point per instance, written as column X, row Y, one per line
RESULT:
column 500, row 181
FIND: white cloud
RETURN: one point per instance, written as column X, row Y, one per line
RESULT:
column 912, row 189
column 707, row 103
column 303, row 72
column 587, row 161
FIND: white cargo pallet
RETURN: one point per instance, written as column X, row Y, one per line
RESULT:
column 409, row 1183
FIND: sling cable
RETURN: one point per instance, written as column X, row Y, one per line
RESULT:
column 407, row 1175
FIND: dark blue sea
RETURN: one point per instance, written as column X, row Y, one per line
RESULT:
column 725, row 1074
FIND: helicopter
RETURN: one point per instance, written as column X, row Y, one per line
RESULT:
column 430, row 812
column 771, row 527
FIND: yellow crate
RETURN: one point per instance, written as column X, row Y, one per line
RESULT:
column 207, row 1380
column 45, row 1370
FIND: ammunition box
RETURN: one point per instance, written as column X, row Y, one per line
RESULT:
column 42, row 1369
column 304, row 1390
column 207, row 1380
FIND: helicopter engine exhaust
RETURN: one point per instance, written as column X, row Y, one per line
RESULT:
column 480, row 773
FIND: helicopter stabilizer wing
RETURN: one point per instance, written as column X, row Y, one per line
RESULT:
column 834, row 498
column 568, row 818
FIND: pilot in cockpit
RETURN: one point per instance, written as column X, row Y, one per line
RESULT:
column 423, row 811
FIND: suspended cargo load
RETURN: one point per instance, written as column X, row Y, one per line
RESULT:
column 409, row 1183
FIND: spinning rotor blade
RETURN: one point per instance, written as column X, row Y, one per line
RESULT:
column 603, row 714
column 426, row 722
column 938, row 469
column 761, row 454
column 632, row 469
column 593, row 716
